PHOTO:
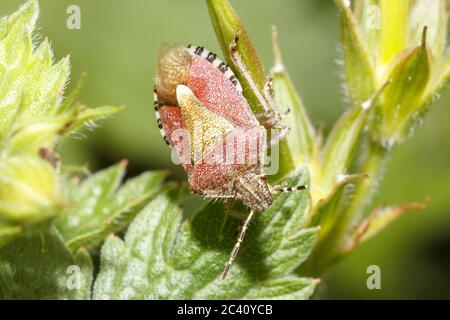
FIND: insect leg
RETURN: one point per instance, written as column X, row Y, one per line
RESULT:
column 275, row 138
column 231, row 211
column 270, row 116
column 243, row 70
column 268, row 95
column 268, row 87
column 281, row 189
column 217, row 194
column 237, row 246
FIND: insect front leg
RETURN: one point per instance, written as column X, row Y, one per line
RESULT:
column 268, row 87
column 274, row 117
column 276, row 137
column 238, row 62
column 270, row 117
column 272, row 120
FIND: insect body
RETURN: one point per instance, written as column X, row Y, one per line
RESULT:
column 194, row 88
column 204, row 117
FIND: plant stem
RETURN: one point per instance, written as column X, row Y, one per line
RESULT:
column 373, row 163
column 333, row 245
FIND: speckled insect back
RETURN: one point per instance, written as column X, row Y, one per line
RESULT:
column 204, row 117
column 195, row 88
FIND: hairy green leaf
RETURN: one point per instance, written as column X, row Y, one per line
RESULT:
column 30, row 190
column 86, row 117
column 101, row 207
column 15, row 51
column 401, row 102
column 358, row 66
column 8, row 232
column 163, row 257
column 368, row 16
column 70, row 100
column 26, row 16
column 330, row 215
column 301, row 137
column 16, row 46
column 380, row 219
column 328, row 209
column 288, row 287
column 41, row 267
column 433, row 15
column 34, row 135
column 32, row 88
column 372, row 163
column 43, row 93
column 394, row 31
column 340, row 148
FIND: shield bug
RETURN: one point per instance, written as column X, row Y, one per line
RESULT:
column 203, row 115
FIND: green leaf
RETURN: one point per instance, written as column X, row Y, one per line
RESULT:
column 339, row 150
column 330, row 215
column 26, row 16
column 69, row 101
column 288, row 287
column 447, row 65
column 87, row 117
column 368, row 15
column 15, row 50
column 301, row 138
column 30, row 86
column 401, row 102
column 34, row 135
column 10, row 97
column 327, row 210
column 41, row 267
column 163, row 257
column 43, row 94
column 432, row 14
column 380, row 219
column 16, row 46
column 32, row 112
column 101, row 207
column 394, row 31
column 445, row 79
column 8, row 232
column 42, row 58
column 342, row 145
column 358, row 65
column 372, row 162
column 439, row 83
column 30, row 190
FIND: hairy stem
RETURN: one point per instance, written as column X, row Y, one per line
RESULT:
column 333, row 245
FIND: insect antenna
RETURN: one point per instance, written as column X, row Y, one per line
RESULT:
column 237, row 246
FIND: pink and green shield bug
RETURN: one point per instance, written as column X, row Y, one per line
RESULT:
column 203, row 115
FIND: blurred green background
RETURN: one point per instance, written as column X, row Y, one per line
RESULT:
column 117, row 47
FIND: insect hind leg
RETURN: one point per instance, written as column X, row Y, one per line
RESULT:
column 237, row 246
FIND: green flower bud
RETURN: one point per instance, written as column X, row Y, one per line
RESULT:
column 29, row 190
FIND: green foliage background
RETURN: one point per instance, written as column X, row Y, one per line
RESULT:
column 117, row 47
